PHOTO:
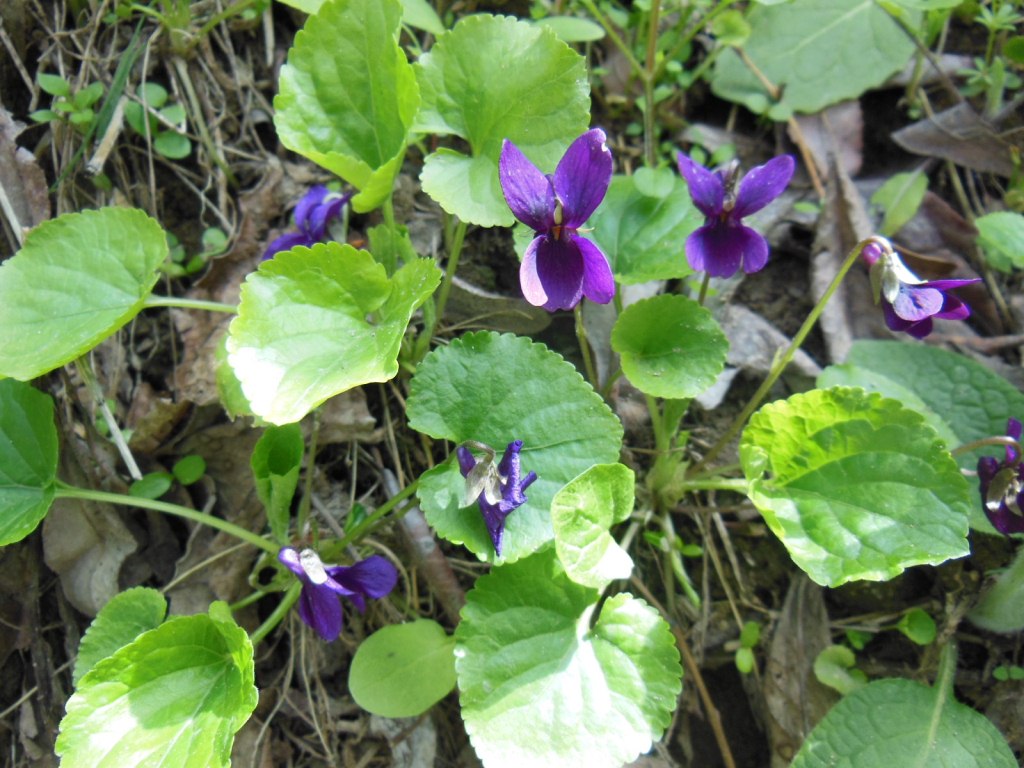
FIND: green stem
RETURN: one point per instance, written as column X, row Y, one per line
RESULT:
column 372, row 519
column 946, row 675
column 449, row 273
column 174, row 301
column 704, row 21
column 65, row 491
column 661, row 438
column 610, row 30
column 650, row 151
column 275, row 618
column 704, row 289
column 224, row 15
column 581, row 336
column 782, row 362
column 739, row 485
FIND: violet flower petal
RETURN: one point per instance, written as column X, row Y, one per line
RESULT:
column 321, row 610
column 373, row 576
column 763, row 184
column 582, row 177
column 716, row 249
column 915, row 302
column 533, row 291
column 286, row 242
column 309, row 202
column 466, row 460
column 1013, row 429
column 559, row 267
column 598, row 281
column 527, row 191
column 706, row 188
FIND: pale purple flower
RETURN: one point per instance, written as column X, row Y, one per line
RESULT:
column 560, row 267
column 314, row 211
column 319, row 604
column 908, row 302
column 723, row 244
column 499, row 491
column 1002, row 485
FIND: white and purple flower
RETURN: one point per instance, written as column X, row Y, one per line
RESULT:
column 910, row 303
column 723, row 245
column 312, row 215
column 1002, row 485
column 560, row 267
column 499, row 490
column 319, row 606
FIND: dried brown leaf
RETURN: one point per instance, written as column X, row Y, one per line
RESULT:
column 959, row 134
column 795, row 699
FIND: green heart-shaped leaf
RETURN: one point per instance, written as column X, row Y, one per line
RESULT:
column 348, row 95
column 963, row 400
column 856, row 486
column 313, row 323
column 670, row 346
column 794, row 43
column 403, row 670
column 900, row 722
column 174, row 696
column 541, row 686
column 77, row 279
column 492, row 78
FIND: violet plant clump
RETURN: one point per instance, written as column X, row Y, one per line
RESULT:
column 1002, row 484
column 724, row 245
column 313, row 214
column 498, row 490
column 560, row 266
column 908, row 302
column 323, row 585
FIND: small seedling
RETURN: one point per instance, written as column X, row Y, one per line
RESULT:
column 75, row 107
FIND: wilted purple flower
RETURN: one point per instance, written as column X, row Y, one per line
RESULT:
column 1002, row 485
column 316, row 208
column 560, row 266
column 499, row 490
column 724, row 244
column 910, row 303
column 319, row 605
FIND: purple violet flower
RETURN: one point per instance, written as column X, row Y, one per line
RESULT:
column 560, row 267
column 499, row 491
column 316, row 208
column 1002, row 485
column 319, row 606
column 910, row 303
column 724, row 244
